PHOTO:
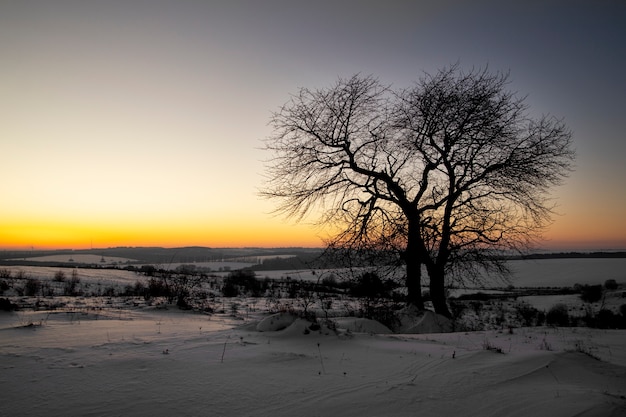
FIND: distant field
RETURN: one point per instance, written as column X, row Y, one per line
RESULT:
column 80, row 259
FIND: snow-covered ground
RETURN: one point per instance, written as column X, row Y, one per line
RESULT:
column 127, row 356
column 163, row 362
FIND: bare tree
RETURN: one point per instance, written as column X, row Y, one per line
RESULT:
column 447, row 173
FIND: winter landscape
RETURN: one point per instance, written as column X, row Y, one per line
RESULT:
column 322, row 208
column 106, row 350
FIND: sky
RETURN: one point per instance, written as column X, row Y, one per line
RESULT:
column 140, row 123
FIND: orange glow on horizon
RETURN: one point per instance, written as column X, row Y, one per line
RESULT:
column 271, row 234
column 97, row 230
column 64, row 235
column 581, row 230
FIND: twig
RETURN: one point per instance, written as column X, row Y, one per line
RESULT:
column 224, row 351
column 321, row 359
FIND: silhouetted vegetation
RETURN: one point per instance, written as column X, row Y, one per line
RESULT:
column 369, row 292
column 558, row 316
column 7, row 305
column 590, row 293
column 445, row 174
column 242, row 281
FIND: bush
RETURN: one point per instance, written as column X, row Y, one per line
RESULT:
column 32, row 287
column 245, row 280
column 457, row 308
column 606, row 319
column 4, row 286
column 230, row 289
column 541, row 318
column 385, row 313
column 527, row 314
column 330, row 282
column 369, row 285
column 59, row 276
column 610, row 284
column 7, row 305
column 139, row 289
column 156, row 288
column 71, row 287
column 147, row 270
column 591, row 293
column 186, row 269
column 558, row 316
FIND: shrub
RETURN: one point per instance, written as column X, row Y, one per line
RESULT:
column 606, row 319
column 242, row 279
column 139, row 289
column 7, row 305
column 59, row 276
column 157, row 288
column 369, row 285
column 457, row 308
column 186, row 269
column 147, row 270
column 330, row 281
column 526, row 313
column 230, row 289
column 558, row 315
column 71, row 286
column 541, row 318
column 610, row 284
column 591, row 293
column 385, row 312
column 4, row 286
column 109, row 291
column 32, row 287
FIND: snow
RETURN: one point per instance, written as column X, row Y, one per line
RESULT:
column 79, row 259
column 92, row 356
column 145, row 361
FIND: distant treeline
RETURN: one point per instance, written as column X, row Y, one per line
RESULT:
column 570, row 255
column 298, row 262
column 269, row 258
column 154, row 255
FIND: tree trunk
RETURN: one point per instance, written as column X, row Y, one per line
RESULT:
column 438, row 290
column 413, row 267
column 414, row 281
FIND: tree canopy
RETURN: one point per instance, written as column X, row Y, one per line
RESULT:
column 447, row 173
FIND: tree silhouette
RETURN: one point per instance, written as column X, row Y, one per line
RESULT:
column 447, row 173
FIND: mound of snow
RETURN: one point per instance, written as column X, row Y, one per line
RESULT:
column 276, row 322
column 303, row 327
column 361, row 325
column 412, row 322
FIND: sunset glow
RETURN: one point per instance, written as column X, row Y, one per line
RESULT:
column 77, row 235
column 141, row 124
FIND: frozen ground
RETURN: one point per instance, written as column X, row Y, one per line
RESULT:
column 162, row 362
column 123, row 356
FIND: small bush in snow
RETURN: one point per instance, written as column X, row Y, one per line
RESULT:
column 591, row 293
column 558, row 315
column 32, row 287
column 526, row 314
column 59, row 276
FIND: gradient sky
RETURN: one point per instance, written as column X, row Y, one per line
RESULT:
column 139, row 123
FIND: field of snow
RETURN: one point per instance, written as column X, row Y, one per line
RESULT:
column 126, row 356
column 524, row 273
column 163, row 362
column 93, row 276
column 81, row 258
